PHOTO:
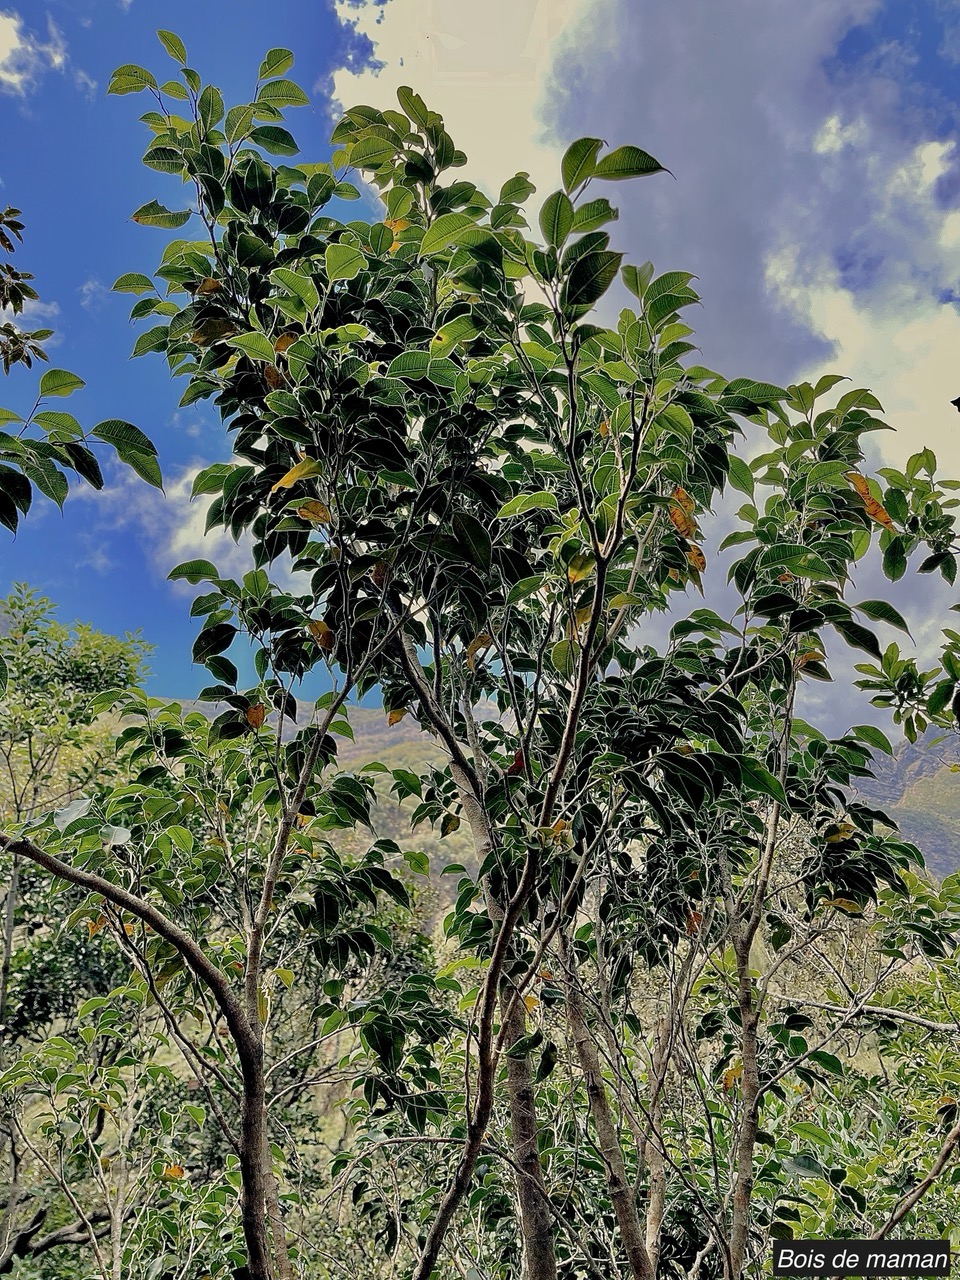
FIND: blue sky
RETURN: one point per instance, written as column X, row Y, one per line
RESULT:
column 817, row 198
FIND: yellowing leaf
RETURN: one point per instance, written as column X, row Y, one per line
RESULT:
column 731, row 1076
column 173, row 1171
column 256, row 715
column 322, row 633
column 396, row 715
column 811, row 655
column 846, row 905
column 580, row 567
column 476, row 646
column 531, row 1003
column 210, row 285
column 316, row 511
column 843, row 831
column 683, row 500
column 785, row 577
column 697, row 559
column 874, row 509
column 449, row 824
column 284, row 341
column 605, row 427
column 305, row 468
column 397, row 224
column 681, row 513
column 94, row 926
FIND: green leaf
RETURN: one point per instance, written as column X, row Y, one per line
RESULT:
column 409, row 364
column 133, row 282
column 895, row 559
column 759, row 780
column 740, row 475
column 525, row 587
column 276, row 63
column 795, row 558
column 273, row 139
column 58, row 382
column 124, row 437
column 3, row 676
column 254, row 344
column 473, row 536
column 556, row 218
column 214, row 640
column 283, row 93
column 873, row 737
column 371, row 153
column 154, row 214
column 579, row 161
column 858, row 637
column 525, row 502
column 414, row 106
column 637, row 279
column 174, row 46
column 7, row 415
column 759, row 392
column 881, row 611
column 590, row 278
column 594, row 214
column 131, row 79
column 448, row 335
column 803, row 1166
column 343, row 261
column 299, row 285
column 194, row 571
column 563, row 655
column 444, row 231
column 627, row 162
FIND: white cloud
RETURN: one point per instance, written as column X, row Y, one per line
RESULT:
column 24, row 56
column 896, row 336
column 169, row 525
column 93, row 294
column 484, row 67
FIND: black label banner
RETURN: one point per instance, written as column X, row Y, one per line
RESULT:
column 861, row 1258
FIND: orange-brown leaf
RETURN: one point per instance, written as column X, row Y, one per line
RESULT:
column 396, row 715
column 322, row 633
column 94, row 926
column 284, row 341
column 256, row 715
column 210, row 285
column 697, row 559
column 173, row 1171
column 875, row 510
column 274, row 377
column 731, row 1076
column 694, row 921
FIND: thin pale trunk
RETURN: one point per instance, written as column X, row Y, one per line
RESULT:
column 536, row 1219
column 657, row 1198
column 9, row 916
column 750, row 1118
column 622, row 1195
column 254, row 1168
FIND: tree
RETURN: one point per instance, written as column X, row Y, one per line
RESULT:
column 49, row 442
column 481, row 497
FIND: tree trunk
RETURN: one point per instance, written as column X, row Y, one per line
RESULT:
column 622, row 1196
column 536, row 1218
